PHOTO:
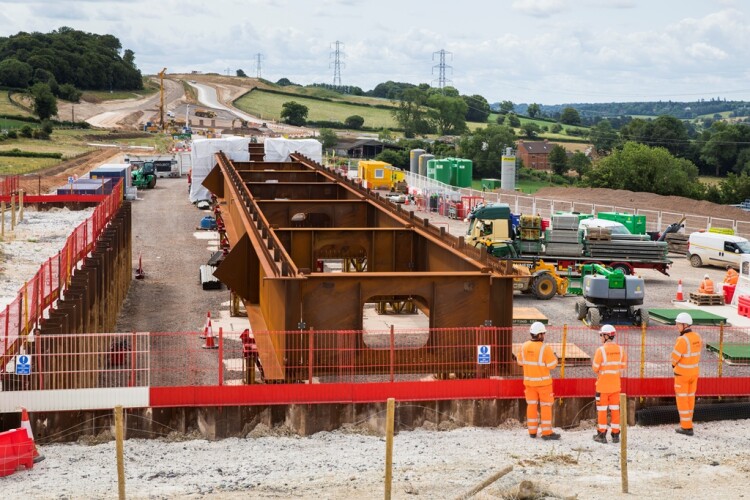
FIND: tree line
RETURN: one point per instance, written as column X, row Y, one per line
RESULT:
column 66, row 59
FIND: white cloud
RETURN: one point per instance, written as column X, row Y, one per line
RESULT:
column 704, row 51
column 538, row 8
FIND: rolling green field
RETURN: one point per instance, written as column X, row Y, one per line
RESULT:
column 10, row 124
column 267, row 105
column 7, row 108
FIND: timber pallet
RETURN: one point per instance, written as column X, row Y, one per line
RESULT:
column 707, row 299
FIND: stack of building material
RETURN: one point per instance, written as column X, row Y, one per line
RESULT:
column 530, row 229
column 564, row 237
column 627, row 249
column 677, row 242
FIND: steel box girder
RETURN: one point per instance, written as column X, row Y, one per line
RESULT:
column 282, row 176
column 327, row 213
column 385, row 249
column 299, row 191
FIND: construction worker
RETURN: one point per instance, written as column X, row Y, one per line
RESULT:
column 731, row 277
column 537, row 360
column 686, row 358
column 609, row 361
column 707, row 286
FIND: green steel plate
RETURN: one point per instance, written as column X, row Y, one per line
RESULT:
column 667, row 316
column 733, row 353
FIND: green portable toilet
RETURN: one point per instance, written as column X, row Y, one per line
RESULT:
column 463, row 172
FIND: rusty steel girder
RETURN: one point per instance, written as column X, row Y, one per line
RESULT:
column 285, row 219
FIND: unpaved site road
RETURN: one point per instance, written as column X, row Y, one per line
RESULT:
column 170, row 298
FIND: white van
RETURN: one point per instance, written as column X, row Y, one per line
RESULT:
column 715, row 249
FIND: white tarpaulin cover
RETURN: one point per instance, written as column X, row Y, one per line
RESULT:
column 279, row 149
column 203, row 160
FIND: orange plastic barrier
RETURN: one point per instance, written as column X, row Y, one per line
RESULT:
column 16, row 449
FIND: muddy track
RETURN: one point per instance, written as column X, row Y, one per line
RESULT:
column 43, row 181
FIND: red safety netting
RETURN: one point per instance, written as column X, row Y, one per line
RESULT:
column 39, row 293
column 8, row 185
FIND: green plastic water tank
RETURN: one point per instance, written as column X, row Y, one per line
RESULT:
column 464, row 169
column 431, row 168
column 443, row 171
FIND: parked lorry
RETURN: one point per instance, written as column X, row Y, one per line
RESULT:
column 566, row 246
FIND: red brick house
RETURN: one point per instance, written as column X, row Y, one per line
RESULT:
column 534, row 154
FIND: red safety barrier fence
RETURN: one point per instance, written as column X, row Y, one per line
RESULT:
column 8, row 185
column 238, row 368
column 18, row 318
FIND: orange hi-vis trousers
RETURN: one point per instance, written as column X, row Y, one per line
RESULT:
column 535, row 397
column 684, row 390
column 608, row 401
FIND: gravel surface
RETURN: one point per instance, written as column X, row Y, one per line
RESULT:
column 34, row 240
column 349, row 463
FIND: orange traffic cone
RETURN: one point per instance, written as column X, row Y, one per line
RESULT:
column 207, row 329
column 25, row 424
column 139, row 274
column 210, row 342
column 680, row 297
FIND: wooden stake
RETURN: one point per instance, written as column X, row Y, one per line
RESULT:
column 390, row 413
column 12, row 212
column 476, row 489
column 20, row 206
column 624, row 441
column 2, row 222
column 118, row 445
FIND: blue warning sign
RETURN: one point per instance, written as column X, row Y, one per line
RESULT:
column 23, row 365
column 484, row 355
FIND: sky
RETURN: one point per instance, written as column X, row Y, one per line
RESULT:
column 543, row 51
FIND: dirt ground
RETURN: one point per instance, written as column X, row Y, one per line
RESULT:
column 44, row 181
column 647, row 201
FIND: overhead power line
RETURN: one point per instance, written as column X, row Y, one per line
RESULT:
column 442, row 81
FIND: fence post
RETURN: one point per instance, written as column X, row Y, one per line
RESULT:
column 119, row 453
column 310, row 356
column 133, row 347
column 389, row 418
column 392, row 354
column 721, row 349
column 624, row 442
column 564, row 348
column 25, row 307
column 643, row 351
column 221, row 356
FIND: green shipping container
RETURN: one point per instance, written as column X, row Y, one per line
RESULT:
column 464, row 173
column 491, row 184
column 636, row 224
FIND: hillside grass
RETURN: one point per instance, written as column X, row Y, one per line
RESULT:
column 524, row 186
column 10, row 124
column 267, row 106
column 8, row 108
column 149, row 87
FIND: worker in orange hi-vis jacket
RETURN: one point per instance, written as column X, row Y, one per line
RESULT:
column 538, row 360
column 706, row 286
column 686, row 358
column 609, row 362
column 732, row 276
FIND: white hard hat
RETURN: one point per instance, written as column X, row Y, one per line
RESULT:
column 537, row 328
column 684, row 318
column 705, row 276
column 607, row 330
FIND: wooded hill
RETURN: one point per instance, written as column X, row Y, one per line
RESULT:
column 67, row 56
